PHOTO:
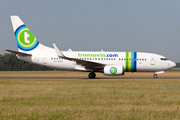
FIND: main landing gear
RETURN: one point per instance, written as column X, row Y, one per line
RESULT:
column 155, row 76
column 92, row 75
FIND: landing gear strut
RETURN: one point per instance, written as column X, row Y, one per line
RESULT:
column 92, row 75
column 155, row 76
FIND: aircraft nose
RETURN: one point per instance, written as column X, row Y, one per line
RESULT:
column 172, row 64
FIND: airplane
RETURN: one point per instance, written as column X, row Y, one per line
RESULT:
column 109, row 63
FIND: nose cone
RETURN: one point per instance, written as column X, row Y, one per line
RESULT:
column 172, row 64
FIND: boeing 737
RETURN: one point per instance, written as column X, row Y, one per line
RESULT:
column 109, row 63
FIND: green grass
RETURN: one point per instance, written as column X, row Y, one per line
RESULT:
column 75, row 74
column 89, row 99
column 173, row 71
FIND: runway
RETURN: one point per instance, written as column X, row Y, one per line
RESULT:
column 91, row 79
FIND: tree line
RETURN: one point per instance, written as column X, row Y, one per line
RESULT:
column 9, row 62
column 178, row 65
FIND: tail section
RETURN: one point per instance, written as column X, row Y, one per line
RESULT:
column 26, row 41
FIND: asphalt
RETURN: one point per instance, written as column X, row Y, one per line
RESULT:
column 91, row 79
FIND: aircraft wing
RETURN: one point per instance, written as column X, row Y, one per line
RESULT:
column 19, row 53
column 86, row 64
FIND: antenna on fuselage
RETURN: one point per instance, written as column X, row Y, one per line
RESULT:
column 69, row 50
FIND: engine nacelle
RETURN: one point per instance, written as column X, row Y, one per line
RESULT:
column 113, row 70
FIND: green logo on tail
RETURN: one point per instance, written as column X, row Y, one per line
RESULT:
column 25, row 39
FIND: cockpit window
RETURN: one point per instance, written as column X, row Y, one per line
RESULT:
column 164, row 59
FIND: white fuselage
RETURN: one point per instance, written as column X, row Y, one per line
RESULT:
column 109, row 63
column 144, row 62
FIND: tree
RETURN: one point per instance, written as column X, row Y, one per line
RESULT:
column 9, row 62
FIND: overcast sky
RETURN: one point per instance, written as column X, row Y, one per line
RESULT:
column 91, row 25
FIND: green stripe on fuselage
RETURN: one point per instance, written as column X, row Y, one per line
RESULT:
column 128, row 62
column 131, row 61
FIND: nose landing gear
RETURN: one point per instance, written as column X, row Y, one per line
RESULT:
column 155, row 76
column 92, row 75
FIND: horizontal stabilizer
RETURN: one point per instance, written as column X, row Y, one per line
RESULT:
column 19, row 53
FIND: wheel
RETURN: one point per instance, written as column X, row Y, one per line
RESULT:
column 92, row 75
column 155, row 76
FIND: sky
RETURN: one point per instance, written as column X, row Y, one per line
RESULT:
column 91, row 25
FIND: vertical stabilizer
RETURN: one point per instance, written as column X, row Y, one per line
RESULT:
column 26, row 41
column 16, row 22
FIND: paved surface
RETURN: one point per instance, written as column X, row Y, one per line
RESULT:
column 93, row 79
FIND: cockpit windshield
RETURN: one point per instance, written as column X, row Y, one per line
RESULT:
column 164, row 59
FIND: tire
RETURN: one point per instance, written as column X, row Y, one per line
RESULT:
column 155, row 76
column 92, row 75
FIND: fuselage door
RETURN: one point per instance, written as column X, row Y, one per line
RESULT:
column 152, row 60
column 44, row 59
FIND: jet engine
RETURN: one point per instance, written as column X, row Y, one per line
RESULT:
column 113, row 70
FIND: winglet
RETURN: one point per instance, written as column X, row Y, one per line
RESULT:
column 58, row 52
